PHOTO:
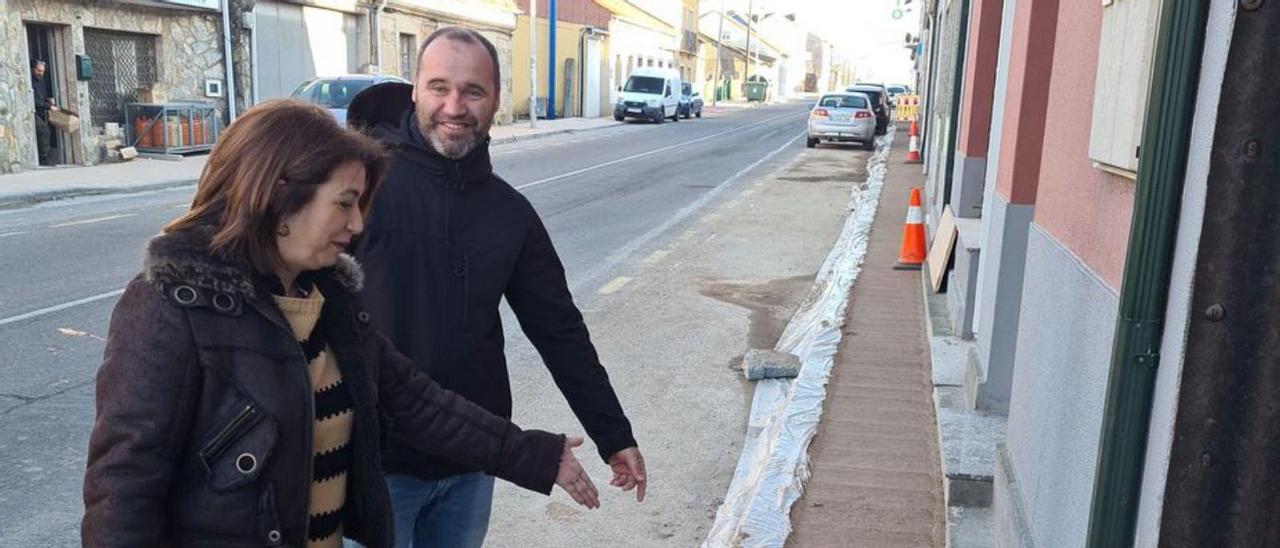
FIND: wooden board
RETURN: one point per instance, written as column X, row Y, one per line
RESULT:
column 944, row 241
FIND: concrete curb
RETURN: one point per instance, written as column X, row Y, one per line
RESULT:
column 17, row 200
column 535, row 136
column 963, row 435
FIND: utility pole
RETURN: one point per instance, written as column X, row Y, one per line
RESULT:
column 719, row 66
column 551, row 61
column 533, row 64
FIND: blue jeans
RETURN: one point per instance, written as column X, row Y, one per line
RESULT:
column 449, row 512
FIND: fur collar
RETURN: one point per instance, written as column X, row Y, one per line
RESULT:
column 182, row 257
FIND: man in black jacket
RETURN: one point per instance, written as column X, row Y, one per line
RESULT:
column 44, row 103
column 446, row 241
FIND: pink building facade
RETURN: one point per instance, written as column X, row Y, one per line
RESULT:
column 1044, row 234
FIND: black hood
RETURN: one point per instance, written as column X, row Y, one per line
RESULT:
column 380, row 110
column 386, row 111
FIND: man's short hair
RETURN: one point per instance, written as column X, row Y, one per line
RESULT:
column 38, row 63
column 466, row 36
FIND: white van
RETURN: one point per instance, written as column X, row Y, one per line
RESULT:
column 650, row 93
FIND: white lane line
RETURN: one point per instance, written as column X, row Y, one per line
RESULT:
column 614, row 286
column 650, row 153
column 622, row 253
column 59, row 308
column 7, row 234
column 98, row 220
column 656, row 256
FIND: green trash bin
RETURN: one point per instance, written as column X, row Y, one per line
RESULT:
column 755, row 91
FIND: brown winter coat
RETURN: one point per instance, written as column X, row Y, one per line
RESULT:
column 204, row 411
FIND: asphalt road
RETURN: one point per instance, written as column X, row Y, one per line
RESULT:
column 609, row 198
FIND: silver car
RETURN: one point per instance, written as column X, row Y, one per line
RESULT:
column 334, row 93
column 842, row 117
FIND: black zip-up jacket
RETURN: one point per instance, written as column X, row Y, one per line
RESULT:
column 445, row 242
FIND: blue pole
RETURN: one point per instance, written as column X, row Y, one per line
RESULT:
column 551, row 61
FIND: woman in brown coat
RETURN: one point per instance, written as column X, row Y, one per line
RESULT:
column 243, row 393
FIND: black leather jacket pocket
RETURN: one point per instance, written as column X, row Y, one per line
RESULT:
column 238, row 451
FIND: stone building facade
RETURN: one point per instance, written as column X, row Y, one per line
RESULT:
column 175, row 46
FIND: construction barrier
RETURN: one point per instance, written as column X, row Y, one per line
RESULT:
column 907, row 107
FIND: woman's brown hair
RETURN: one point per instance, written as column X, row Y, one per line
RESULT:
column 267, row 166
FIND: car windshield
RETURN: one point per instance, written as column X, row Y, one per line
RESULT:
column 686, row 89
column 843, row 101
column 332, row 93
column 644, row 84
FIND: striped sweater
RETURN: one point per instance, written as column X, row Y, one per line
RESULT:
column 333, row 413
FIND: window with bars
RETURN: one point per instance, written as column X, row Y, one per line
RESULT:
column 408, row 49
column 122, row 62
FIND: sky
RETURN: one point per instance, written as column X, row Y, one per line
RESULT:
column 864, row 30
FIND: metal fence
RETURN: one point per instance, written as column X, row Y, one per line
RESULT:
column 122, row 62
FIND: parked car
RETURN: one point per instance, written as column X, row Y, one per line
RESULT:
column 897, row 89
column 690, row 101
column 650, row 93
column 843, row 117
column 334, row 93
column 879, row 104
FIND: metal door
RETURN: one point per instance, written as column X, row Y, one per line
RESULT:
column 297, row 43
column 122, row 61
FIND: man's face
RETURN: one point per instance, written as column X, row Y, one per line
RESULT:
column 38, row 71
column 455, row 97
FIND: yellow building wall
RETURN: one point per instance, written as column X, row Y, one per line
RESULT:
column 566, row 48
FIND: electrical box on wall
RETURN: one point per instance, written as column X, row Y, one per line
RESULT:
column 84, row 67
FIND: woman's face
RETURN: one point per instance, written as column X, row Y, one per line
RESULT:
column 322, row 229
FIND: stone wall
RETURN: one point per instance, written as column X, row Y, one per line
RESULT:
column 17, row 141
column 188, row 51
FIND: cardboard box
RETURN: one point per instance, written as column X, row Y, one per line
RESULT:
column 65, row 120
column 153, row 94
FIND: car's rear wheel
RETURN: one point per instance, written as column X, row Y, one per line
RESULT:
column 619, row 117
column 699, row 113
column 811, row 142
column 869, row 145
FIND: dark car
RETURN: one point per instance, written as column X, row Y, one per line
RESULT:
column 879, row 104
column 690, row 101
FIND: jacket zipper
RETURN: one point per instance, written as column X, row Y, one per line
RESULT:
column 219, row 443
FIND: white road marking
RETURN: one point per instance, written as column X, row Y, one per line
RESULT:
column 91, row 221
column 60, row 307
column 656, row 256
column 649, row 153
column 18, row 233
column 614, row 286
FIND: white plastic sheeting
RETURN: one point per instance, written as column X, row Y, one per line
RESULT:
column 774, row 463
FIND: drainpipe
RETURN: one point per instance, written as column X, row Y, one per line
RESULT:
column 227, row 60
column 957, row 89
column 253, row 58
column 551, row 60
column 376, row 31
column 1144, row 291
column 583, row 34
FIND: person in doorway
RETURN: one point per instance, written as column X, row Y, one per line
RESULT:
column 447, row 240
column 44, row 104
column 243, row 394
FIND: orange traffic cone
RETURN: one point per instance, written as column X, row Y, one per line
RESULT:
column 912, row 254
column 913, row 148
